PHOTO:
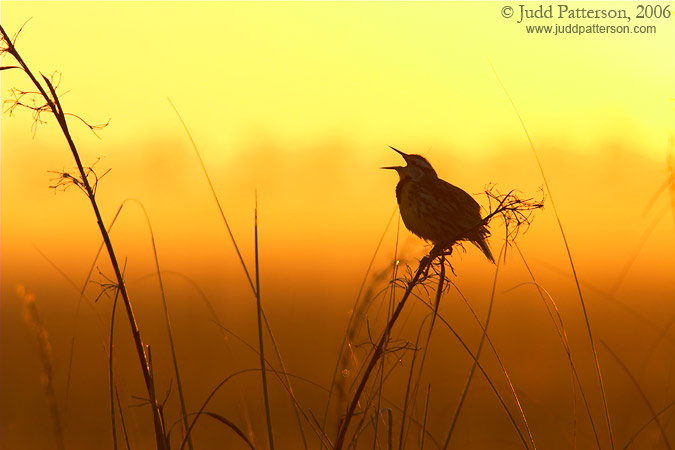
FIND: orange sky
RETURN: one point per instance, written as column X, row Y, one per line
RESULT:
column 299, row 103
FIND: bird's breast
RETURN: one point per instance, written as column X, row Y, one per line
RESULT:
column 414, row 207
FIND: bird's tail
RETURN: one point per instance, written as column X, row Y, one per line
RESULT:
column 485, row 247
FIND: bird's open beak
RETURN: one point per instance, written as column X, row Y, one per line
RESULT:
column 400, row 153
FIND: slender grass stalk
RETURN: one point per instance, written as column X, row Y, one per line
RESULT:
column 111, row 373
column 361, row 427
column 390, row 307
column 563, row 338
column 469, row 379
column 406, row 415
column 505, row 372
column 572, row 266
column 646, row 233
column 439, row 293
column 164, row 304
column 376, row 421
column 309, row 417
column 54, row 106
column 640, row 391
column 424, row 421
column 206, row 402
column 345, row 344
column 232, row 426
column 390, row 429
column 114, row 394
column 255, row 288
column 484, row 338
column 366, row 405
column 44, row 347
column 263, row 366
column 491, row 384
column 76, row 322
column 124, row 424
column 494, row 389
column 343, row 355
column 239, row 392
column 243, row 264
column 167, row 321
column 373, row 419
column 281, row 377
column 378, row 352
column 646, row 424
column 215, row 197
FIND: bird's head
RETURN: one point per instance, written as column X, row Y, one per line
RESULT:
column 417, row 167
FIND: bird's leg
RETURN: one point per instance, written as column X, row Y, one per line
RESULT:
column 428, row 260
column 426, row 263
column 441, row 279
column 448, row 252
column 452, row 269
column 436, row 250
column 440, row 250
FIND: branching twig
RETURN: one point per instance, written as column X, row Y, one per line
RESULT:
column 52, row 104
column 65, row 179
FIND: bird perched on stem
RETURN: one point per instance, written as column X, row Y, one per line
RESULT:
column 435, row 210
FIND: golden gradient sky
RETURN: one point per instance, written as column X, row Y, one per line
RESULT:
column 301, row 100
column 299, row 103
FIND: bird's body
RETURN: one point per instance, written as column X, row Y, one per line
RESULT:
column 435, row 210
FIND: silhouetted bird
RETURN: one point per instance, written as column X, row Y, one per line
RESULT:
column 435, row 210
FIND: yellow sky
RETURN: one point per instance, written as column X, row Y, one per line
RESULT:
column 397, row 72
column 301, row 100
